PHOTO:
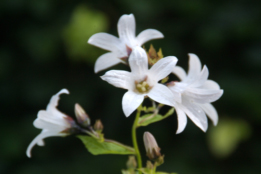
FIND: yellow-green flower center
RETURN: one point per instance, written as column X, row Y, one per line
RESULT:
column 142, row 87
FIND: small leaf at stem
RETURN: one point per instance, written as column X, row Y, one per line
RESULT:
column 148, row 119
column 152, row 118
column 170, row 112
column 97, row 147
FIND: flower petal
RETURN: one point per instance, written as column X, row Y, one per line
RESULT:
column 148, row 34
column 50, row 122
column 179, row 72
column 138, row 63
column 194, row 68
column 199, row 95
column 126, row 27
column 163, row 68
column 131, row 101
column 106, row 41
column 40, row 137
column 201, row 78
column 51, row 107
column 195, row 113
column 182, row 120
column 118, row 78
column 210, row 84
column 176, row 91
column 211, row 112
column 161, row 94
column 40, row 143
column 105, row 61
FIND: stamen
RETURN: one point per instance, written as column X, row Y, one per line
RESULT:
column 143, row 86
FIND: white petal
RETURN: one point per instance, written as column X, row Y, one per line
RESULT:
column 131, row 101
column 202, row 95
column 210, row 84
column 195, row 113
column 138, row 63
column 147, row 35
column 40, row 143
column 211, row 112
column 50, row 122
column 106, row 41
column 105, row 61
column 179, row 87
column 39, row 138
column 51, row 107
column 179, row 72
column 194, row 67
column 182, row 120
column 161, row 94
column 201, row 78
column 163, row 68
column 118, row 78
column 176, row 94
column 126, row 27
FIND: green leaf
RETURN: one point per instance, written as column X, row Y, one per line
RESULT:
column 152, row 118
column 97, row 147
column 148, row 119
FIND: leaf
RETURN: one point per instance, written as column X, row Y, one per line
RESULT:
column 148, row 119
column 152, row 118
column 97, row 147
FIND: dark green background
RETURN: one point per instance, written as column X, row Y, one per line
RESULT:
column 43, row 49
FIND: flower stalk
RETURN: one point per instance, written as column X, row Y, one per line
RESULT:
column 134, row 137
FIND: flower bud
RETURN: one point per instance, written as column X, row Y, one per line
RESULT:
column 98, row 126
column 82, row 118
column 131, row 163
column 149, row 165
column 151, row 146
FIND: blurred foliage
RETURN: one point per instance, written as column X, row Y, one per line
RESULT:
column 43, row 49
column 84, row 23
column 224, row 138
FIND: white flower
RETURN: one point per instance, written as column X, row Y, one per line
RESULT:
column 196, row 94
column 141, row 81
column 51, row 121
column 120, row 48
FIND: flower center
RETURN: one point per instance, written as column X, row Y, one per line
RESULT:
column 142, row 87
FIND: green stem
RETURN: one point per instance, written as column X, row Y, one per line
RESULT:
column 134, row 137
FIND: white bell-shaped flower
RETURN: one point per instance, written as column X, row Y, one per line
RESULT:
column 197, row 92
column 120, row 48
column 141, row 81
column 52, row 122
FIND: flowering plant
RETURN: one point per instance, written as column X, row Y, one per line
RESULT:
column 148, row 78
